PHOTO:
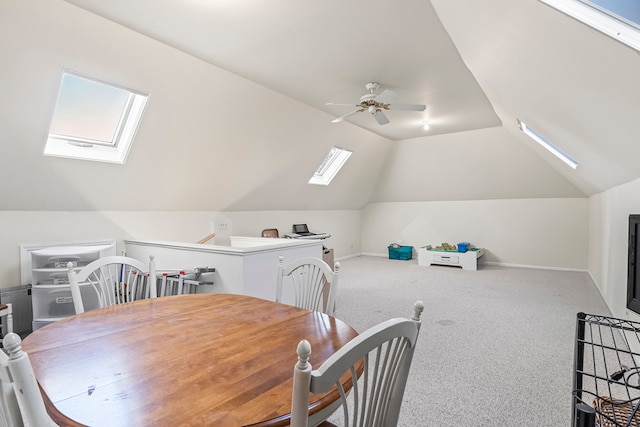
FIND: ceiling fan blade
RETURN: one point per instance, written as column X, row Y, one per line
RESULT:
column 380, row 117
column 341, row 118
column 409, row 107
column 339, row 103
column 385, row 97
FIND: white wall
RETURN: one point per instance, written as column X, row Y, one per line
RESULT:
column 483, row 164
column 343, row 225
column 531, row 232
column 534, row 232
column 209, row 140
column 34, row 227
column 246, row 165
column 608, row 229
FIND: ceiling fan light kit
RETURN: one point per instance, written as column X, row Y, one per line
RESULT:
column 375, row 103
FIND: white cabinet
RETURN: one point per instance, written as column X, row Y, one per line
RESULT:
column 248, row 266
column 50, row 293
column 467, row 260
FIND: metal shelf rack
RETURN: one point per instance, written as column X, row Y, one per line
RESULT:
column 606, row 379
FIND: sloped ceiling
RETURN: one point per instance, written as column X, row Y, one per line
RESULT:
column 245, row 129
column 209, row 140
column 574, row 85
column 319, row 52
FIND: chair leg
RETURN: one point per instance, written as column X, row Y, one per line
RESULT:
column 10, row 321
column 9, row 318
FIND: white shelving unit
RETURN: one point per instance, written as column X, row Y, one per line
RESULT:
column 50, row 293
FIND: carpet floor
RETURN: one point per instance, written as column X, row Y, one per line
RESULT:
column 496, row 344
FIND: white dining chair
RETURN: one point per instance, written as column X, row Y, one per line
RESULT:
column 112, row 280
column 377, row 361
column 21, row 403
column 314, row 283
column 6, row 311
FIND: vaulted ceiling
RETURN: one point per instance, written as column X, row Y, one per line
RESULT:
column 237, row 117
column 324, row 52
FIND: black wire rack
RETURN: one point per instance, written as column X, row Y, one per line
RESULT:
column 606, row 380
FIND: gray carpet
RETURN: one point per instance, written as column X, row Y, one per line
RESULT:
column 496, row 344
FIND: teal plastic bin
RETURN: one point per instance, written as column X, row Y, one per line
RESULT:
column 401, row 252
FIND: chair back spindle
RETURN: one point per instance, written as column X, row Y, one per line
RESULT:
column 377, row 363
column 313, row 281
column 112, row 280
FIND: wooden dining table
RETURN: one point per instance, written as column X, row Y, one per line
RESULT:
column 186, row 360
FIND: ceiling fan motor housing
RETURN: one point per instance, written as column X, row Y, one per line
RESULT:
column 367, row 98
column 372, row 86
column 374, row 104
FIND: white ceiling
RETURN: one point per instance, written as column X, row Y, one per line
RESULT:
column 244, row 129
column 319, row 52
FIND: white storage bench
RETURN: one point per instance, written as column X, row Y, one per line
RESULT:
column 467, row 260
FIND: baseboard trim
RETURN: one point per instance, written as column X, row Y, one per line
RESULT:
column 372, row 254
column 611, row 312
column 500, row 264
column 355, row 255
column 540, row 267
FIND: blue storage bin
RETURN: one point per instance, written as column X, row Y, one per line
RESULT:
column 400, row 252
column 463, row 246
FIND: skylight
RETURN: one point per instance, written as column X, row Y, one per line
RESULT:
column 94, row 120
column 548, row 145
column 619, row 19
column 330, row 166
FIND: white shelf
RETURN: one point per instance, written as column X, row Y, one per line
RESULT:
column 52, row 301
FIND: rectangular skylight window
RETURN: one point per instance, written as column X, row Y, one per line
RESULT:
column 94, row 120
column 546, row 144
column 623, row 10
column 619, row 19
column 330, row 166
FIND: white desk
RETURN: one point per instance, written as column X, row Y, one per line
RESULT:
column 318, row 236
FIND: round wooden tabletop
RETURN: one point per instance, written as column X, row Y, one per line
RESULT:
column 188, row 360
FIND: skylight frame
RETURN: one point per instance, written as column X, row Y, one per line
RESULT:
column 84, row 148
column 547, row 145
column 628, row 16
column 597, row 17
column 330, row 166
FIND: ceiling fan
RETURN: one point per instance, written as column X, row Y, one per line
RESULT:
column 374, row 104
